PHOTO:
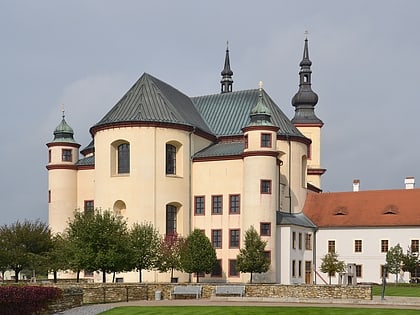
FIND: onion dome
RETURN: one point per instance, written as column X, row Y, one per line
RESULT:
column 63, row 132
column 260, row 115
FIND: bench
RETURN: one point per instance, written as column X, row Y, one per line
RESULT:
column 186, row 290
column 230, row 290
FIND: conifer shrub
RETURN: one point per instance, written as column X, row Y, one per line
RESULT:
column 26, row 300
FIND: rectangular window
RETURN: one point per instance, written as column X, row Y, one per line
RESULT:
column 265, row 229
column 234, row 238
column 234, row 204
column 66, row 155
column 300, row 242
column 199, row 205
column 293, row 268
column 358, row 271
column 216, row 204
column 308, row 241
column 265, row 187
column 233, row 271
column 246, row 142
column 300, row 269
column 266, row 140
column 384, row 246
column 357, row 246
column 49, row 156
column 89, row 207
column 267, row 255
column 49, row 196
column 216, row 238
column 294, row 240
column 170, row 159
column 217, row 269
column 415, row 246
column 331, row 246
column 171, row 219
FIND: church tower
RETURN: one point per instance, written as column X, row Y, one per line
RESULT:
column 305, row 119
column 63, row 154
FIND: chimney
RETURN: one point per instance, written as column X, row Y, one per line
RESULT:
column 356, row 185
column 409, row 182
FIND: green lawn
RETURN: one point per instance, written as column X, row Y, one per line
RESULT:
column 249, row 310
column 397, row 290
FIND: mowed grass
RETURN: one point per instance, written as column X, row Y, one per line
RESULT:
column 397, row 290
column 250, row 310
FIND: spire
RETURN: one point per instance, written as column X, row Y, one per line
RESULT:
column 305, row 99
column 63, row 132
column 260, row 115
column 227, row 73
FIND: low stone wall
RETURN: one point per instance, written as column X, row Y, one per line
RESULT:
column 72, row 297
column 121, row 292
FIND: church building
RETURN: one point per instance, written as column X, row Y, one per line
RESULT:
column 220, row 163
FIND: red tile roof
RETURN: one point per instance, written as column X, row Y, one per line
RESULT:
column 364, row 208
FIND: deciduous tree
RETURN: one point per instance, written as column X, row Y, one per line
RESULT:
column 144, row 245
column 170, row 253
column 252, row 257
column 330, row 264
column 394, row 258
column 198, row 255
column 410, row 261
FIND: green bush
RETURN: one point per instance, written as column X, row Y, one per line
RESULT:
column 26, row 300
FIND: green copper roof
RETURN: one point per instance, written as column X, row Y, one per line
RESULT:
column 221, row 149
column 63, row 133
column 227, row 113
column 152, row 100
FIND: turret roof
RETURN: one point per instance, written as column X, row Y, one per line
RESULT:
column 63, row 132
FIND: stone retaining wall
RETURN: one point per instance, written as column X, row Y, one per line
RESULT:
column 120, row 292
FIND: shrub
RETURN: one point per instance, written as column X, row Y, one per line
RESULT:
column 26, row 300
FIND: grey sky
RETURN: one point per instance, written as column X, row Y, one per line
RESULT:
column 87, row 54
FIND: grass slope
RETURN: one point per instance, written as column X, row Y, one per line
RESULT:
column 250, row 310
column 397, row 290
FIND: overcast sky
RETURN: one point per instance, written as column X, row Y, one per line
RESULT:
column 87, row 54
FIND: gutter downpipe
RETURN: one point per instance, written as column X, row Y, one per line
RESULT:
column 290, row 173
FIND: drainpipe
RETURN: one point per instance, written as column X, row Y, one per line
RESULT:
column 290, row 173
column 190, row 181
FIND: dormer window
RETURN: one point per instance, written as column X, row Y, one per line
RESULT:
column 266, row 140
column 390, row 209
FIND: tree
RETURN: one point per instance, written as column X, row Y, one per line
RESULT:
column 59, row 256
column 394, row 258
column 170, row 254
column 144, row 244
column 198, row 255
column 252, row 257
column 330, row 264
column 100, row 242
column 25, row 245
column 410, row 261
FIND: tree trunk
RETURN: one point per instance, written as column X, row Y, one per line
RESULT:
column 103, row 276
column 55, row 276
column 140, row 276
column 251, row 278
column 16, row 276
column 78, row 276
column 198, row 277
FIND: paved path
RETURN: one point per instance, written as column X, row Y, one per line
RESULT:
column 389, row 302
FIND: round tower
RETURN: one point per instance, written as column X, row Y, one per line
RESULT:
column 261, row 176
column 63, row 154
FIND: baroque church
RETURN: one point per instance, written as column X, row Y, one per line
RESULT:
column 220, row 163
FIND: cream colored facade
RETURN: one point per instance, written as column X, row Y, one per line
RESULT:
column 254, row 174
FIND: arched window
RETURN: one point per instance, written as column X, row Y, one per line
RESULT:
column 170, row 159
column 123, row 158
column 171, row 211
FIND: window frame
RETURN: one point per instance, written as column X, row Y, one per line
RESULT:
column 384, row 244
column 331, row 245
column 233, row 270
column 219, row 268
column 359, row 271
column 171, row 219
column 217, row 238
column 263, row 229
column 202, row 205
column 358, row 246
column 66, row 155
column 234, row 204
column 123, row 158
column 308, row 241
column 414, row 245
column 170, row 159
column 89, row 207
column 217, row 204
column 234, row 239
column 266, row 140
column 266, row 186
